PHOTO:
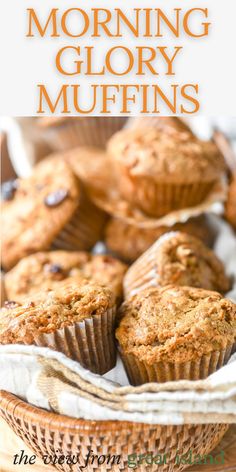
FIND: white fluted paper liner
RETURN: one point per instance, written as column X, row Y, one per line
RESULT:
column 109, row 199
column 140, row 372
column 90, row 341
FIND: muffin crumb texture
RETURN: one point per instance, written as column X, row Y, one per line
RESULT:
column 167, row 155
column 43, row 271
column 46, row 312
column 36, row 209
column 177, row 259
column 175, row 324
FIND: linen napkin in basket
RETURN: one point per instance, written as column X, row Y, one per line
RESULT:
column 50, row 380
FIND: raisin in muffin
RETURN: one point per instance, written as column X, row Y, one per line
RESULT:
column 43, row 271
column 165, row 170
column 175, row 333
column 128, row 241
column 180, row 259
column 48, row 208
column 77, row 318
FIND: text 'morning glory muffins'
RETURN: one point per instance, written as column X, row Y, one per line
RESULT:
column 178, row 259
column 165, row 170
column 129, row 242
column 47, row 209
column 77, row 318
column 175, row 333
column 43, row 271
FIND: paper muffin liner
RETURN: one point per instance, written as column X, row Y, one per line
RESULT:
column 158, row 199
column 90, row 342
column 143, row 273
column 108, row 197
column 81, row 131
column 103, row 189
column 139, row 372
column 84, row 229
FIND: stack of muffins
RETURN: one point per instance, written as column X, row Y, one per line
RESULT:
column 156, row 294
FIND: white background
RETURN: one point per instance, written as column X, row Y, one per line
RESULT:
column 26, row 62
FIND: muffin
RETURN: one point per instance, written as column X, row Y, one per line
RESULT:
column 175, row 333
column 158, row 122
column 179, row 259
column 91, row 165
column 63, row 133
column 47, row 209
column 77, row 318
column 43, row 271
column 7, row 170
column 128, row 241
column 165, row 170
column 230, row 207
column 3, row 295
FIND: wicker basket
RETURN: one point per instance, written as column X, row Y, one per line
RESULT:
column 51, row 434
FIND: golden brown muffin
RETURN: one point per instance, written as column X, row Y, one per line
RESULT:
column 47, row 208
column 77, row 318
column 7, row 170
column 179, row 259
column 43, row 270
column 90, row 164
column 230, row 207
column 3, row 295
column 175, row 333
column 129, row 242
column 158, row 122
column 165, row 170
column 64, row 133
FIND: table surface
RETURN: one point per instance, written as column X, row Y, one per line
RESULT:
column 10, row 444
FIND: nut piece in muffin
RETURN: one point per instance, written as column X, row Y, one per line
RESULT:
column 77, row 318
column 43, row 270
column 230, row 207
column 165, row 170
column 179, row 259
column 48, row 208
column 129, row 242
column 175, row 333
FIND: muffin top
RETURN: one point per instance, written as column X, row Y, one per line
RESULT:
column 230, row 209
column 180, row 259
column 166, row 155
column 45, row 312
column 129, row 241
column 175, row 324
column 44, row 270
column 35, row 209
column 158, row 122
